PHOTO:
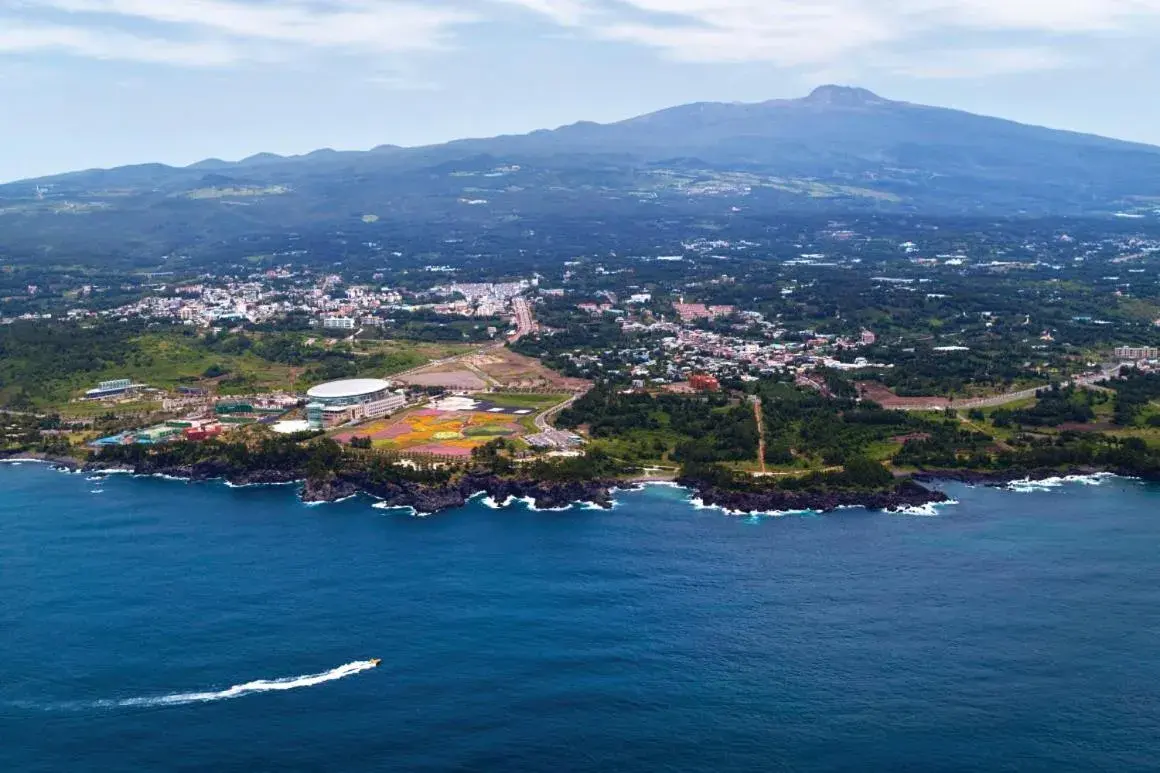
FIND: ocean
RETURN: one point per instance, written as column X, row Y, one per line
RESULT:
column 154, row 625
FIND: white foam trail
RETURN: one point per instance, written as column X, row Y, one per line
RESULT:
column 249, row 688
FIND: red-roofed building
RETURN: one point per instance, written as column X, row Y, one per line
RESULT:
column 704, row 383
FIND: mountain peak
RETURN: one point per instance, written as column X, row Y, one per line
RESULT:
column 850, row 96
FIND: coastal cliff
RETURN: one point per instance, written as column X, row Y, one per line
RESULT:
column 210, row 469
column 424, row 498
column 1001, row 478
column 905, row 495
column 432, row 499
column 545, row 495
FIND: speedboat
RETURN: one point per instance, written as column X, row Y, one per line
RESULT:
column 375, row 661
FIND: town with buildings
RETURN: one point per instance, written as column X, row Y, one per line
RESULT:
column 504, row 357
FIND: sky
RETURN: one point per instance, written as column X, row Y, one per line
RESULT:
column 99, row 83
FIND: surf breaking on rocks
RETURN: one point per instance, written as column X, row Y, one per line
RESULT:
column 249, row 688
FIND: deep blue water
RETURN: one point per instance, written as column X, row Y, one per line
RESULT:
column 1011, row 632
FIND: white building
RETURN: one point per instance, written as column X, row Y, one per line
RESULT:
column 339, row 402
column 338, row 323
column 1135, row 353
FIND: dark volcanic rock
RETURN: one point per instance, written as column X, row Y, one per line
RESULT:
column 331, row 490
column 423, row 498
column 205, row 471
column 1004, row 477
column 907, row 494
column 59, row 462
column 434, row 499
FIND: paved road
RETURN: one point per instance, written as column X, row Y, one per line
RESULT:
column 542, row 420
column 760, row 419
column 525, row 322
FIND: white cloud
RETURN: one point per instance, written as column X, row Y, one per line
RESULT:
column 223, row 32
column 379, row 25
column 934, row 38
column 17, row 38
column 977, row 63
column 826, row 33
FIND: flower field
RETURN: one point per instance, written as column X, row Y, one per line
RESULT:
column 446, row 433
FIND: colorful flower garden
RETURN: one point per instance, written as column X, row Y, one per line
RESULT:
column 445, row 433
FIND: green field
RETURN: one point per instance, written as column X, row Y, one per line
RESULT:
column 51, row 374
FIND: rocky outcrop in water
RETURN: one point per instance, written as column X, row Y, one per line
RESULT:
column 907, row 494
column 546, row 495
column 213, row 469
column 60, row 462
column 401, row 493
column 433, row 499
column 1005, row 477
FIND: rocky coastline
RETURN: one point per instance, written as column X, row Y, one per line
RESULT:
column 203, row 471
column 906, row 495
column 434, row 499
column 61, row 462
column 545, row 495
column 1001, row 478
column 403, row 494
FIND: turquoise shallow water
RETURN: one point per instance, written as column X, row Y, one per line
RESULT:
column 1014, row 631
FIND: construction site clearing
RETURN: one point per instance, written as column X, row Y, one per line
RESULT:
column 494, row 368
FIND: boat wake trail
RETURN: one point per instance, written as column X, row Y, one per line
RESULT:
column 241, row 690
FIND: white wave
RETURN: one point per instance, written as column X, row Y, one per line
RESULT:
column 1030, row 486
column 331, row 502
column 259, row 485
column 163, row 476
column 97, row 491
column 403, row 508
column 699, row 504
column 249, row 688
column 929, row 510
column 530, row 503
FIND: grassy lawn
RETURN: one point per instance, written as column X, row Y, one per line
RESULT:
column 883, row 451
column 167, row 361
column 641, row 446
column 95, row 409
